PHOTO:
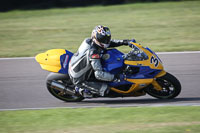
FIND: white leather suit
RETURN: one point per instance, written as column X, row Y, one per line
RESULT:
column 87, row 60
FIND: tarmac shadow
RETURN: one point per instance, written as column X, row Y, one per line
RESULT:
column 143, row 101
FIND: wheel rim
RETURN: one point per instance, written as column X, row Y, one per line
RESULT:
column 60, row 95
column 168, row 89
column 63, row 96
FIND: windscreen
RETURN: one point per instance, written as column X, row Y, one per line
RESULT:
column 136, row 54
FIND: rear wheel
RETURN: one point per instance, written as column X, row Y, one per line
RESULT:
column 171, row 87
column 63, row 79
column 61, row 95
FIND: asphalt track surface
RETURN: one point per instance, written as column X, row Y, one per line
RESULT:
column 22, row 85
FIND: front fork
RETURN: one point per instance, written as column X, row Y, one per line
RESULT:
column 155, row 83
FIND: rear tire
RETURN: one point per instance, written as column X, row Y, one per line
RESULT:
column 56, row 93
column 171, row 87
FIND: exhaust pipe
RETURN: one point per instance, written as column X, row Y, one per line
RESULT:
column 61, row 87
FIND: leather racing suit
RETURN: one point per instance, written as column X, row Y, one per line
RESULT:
column 87, row 60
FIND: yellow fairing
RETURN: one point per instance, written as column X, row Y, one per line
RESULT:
column 50, row 60
column 162, row 73
column 145, row 62
column 141, row 83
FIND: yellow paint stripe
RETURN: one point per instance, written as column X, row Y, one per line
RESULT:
column 162, row 73
column 133, row 87
column 140, row 81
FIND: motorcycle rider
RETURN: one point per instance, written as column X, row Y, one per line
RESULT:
column 87, row 60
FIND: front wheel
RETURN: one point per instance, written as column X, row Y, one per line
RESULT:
column 171, row 87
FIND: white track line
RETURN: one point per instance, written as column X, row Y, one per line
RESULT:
column 106, row 106
column 18, row 58
column 184, row 52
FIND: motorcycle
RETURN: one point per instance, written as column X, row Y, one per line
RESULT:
column 142, row 68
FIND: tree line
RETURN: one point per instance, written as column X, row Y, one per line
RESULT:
column 6, row 5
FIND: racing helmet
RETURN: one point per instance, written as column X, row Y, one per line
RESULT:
column 101, row 36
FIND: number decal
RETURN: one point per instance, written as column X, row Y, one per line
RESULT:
column 154, row 60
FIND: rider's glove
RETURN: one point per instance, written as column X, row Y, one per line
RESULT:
column 130, row 44
column 127, row 42
column 119, row 78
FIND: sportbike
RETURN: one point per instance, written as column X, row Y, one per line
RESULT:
column 141, row 67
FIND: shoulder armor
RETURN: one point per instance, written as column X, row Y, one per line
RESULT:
column 88, row 40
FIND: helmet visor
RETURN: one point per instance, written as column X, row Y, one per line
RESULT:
column 103, row 39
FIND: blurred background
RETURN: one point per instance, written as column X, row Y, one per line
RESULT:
column 6, row 5
column 29, row 27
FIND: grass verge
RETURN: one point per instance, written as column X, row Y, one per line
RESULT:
column 166, row 26
column 107, row 120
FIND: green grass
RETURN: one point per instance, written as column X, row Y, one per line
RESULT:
column 166, row 26
column 103, row 120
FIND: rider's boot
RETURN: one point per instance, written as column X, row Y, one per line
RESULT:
column 95, row 88
column 83, row 92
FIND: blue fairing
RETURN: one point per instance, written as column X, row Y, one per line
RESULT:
column 114, row 63
column 64, row 61
column 145, row 72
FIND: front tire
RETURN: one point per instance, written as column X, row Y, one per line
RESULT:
column 171, row 87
